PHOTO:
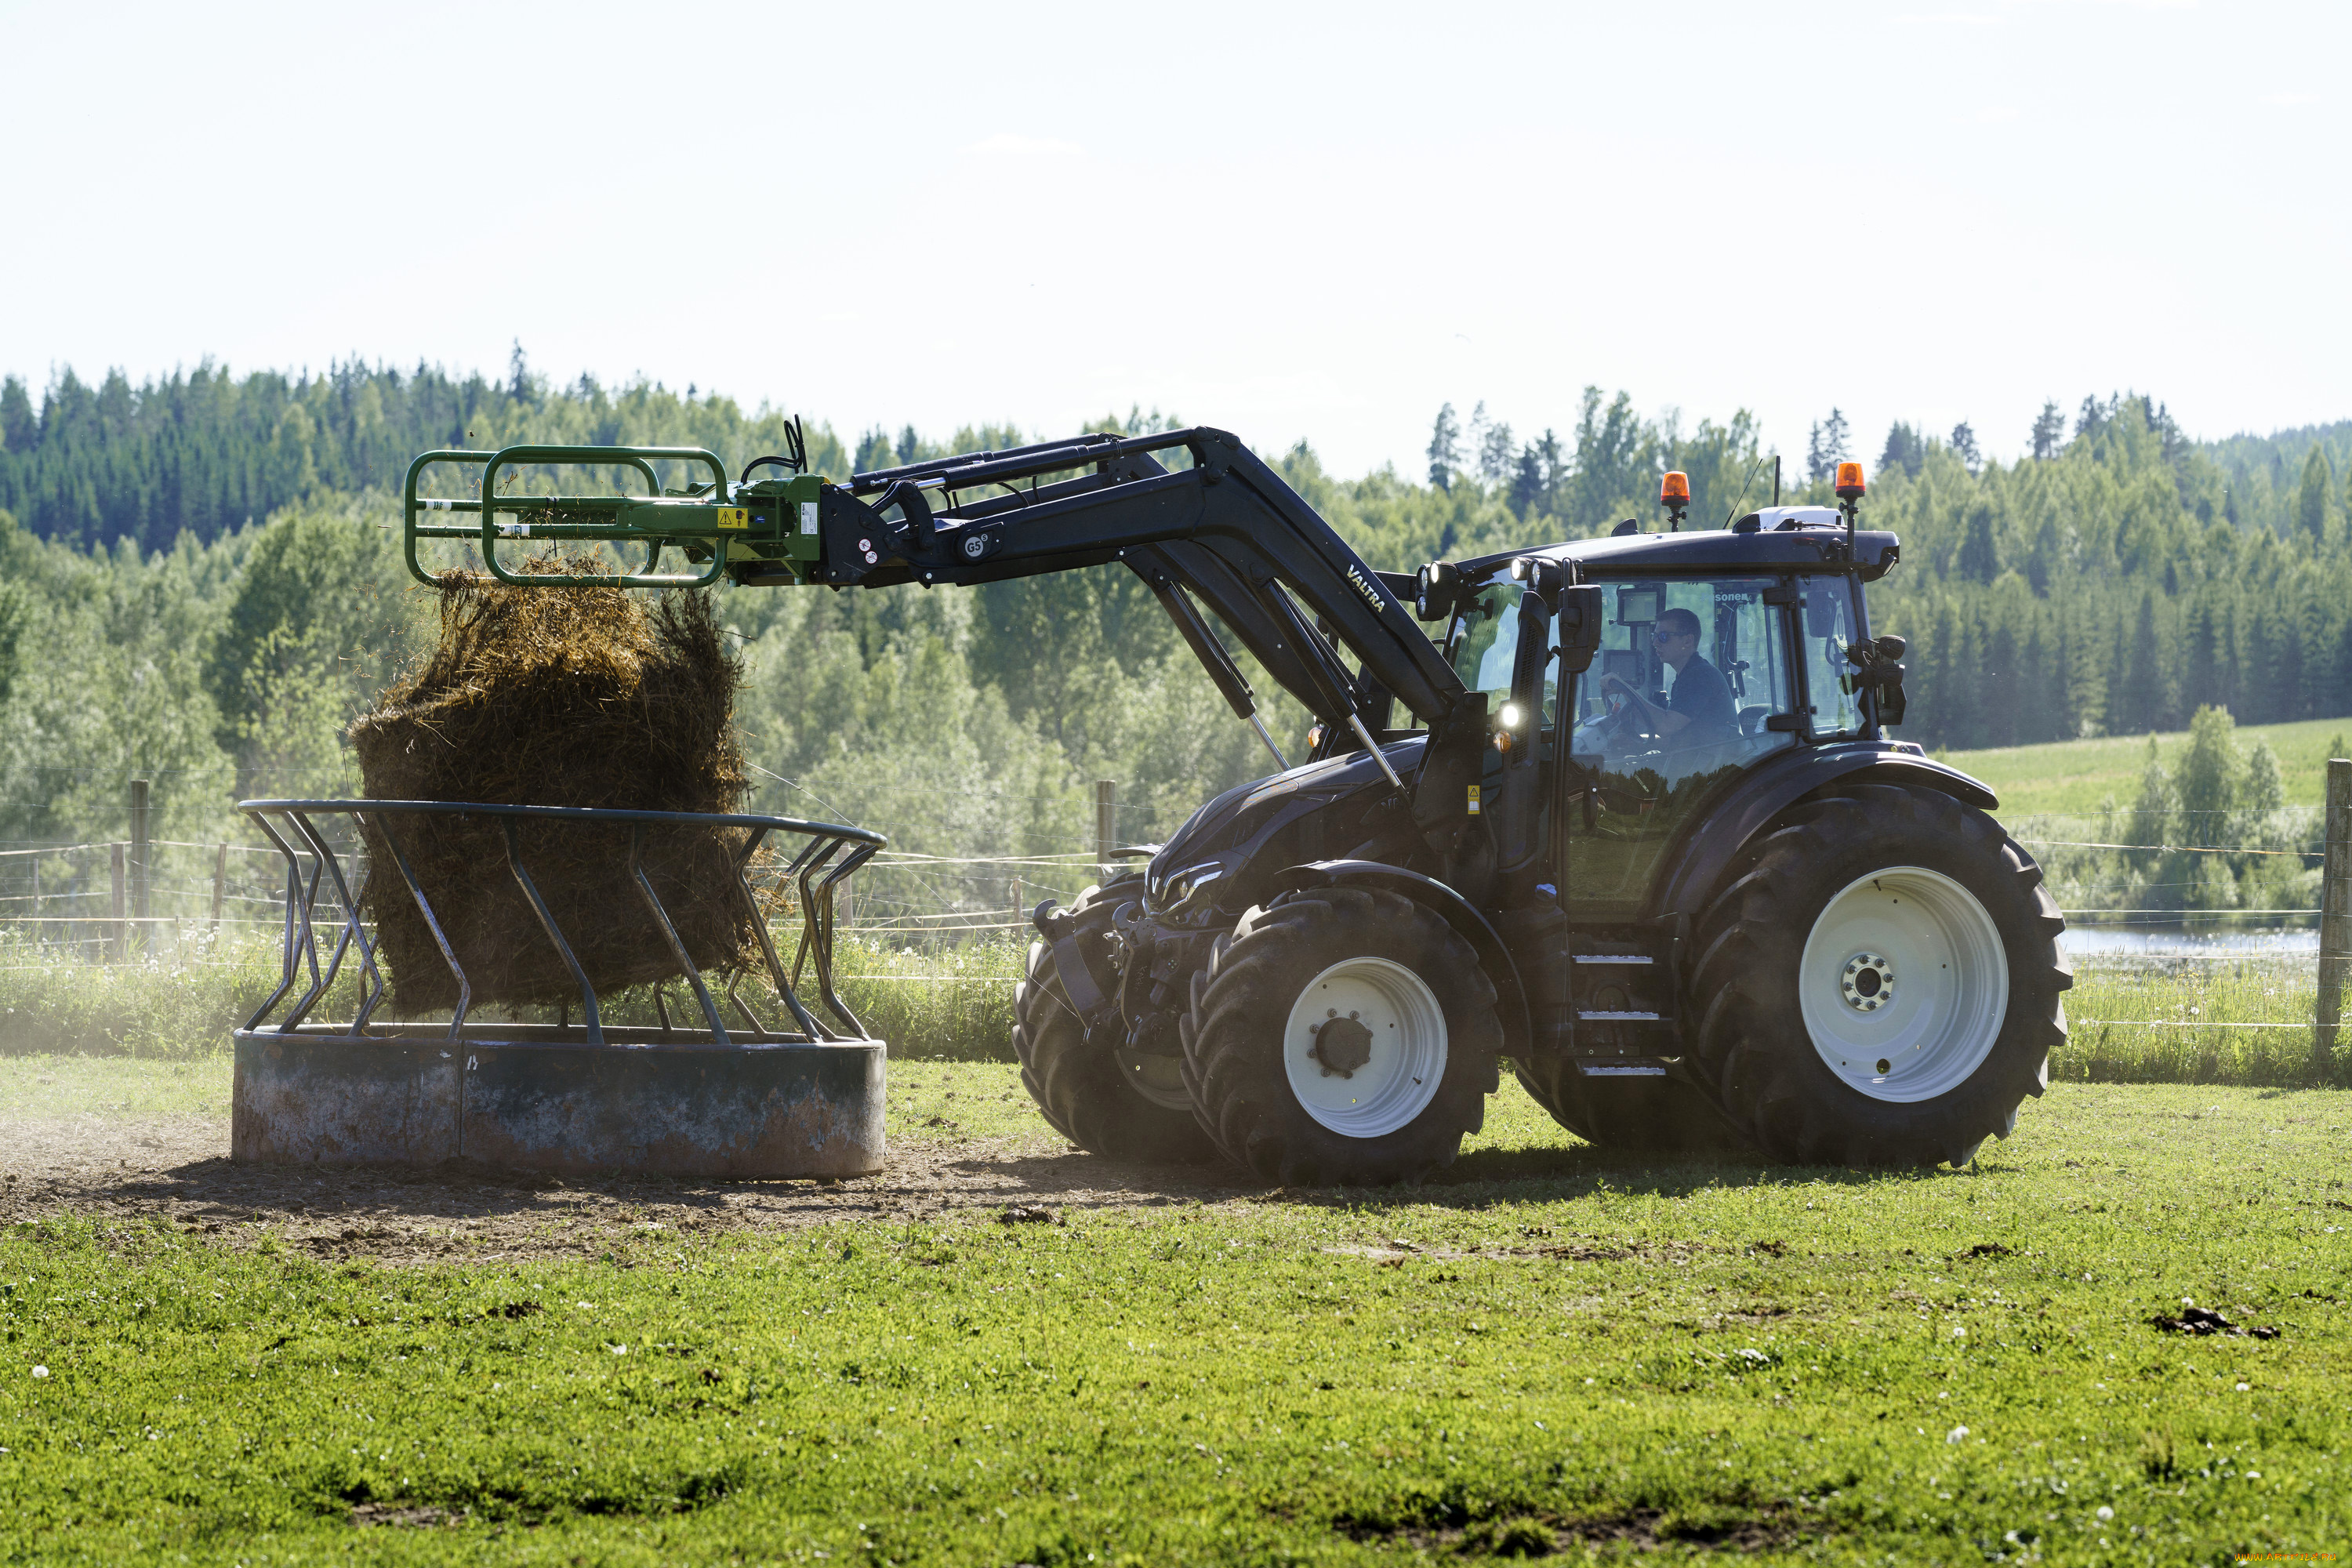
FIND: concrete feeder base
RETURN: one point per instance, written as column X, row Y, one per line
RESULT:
column 562, row 1107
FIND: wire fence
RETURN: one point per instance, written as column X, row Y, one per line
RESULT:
column 2209, row 959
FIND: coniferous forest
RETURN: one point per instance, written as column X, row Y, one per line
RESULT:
column 199, row 579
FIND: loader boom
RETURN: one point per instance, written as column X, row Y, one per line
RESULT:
column 1218, row 530
column 1226, row 531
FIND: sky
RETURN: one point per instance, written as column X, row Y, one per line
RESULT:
column 1314, row 221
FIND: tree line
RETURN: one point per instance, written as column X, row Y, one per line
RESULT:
column 2112, row 580
column 199, row 580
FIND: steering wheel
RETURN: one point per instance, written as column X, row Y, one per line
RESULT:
column 1619, row 729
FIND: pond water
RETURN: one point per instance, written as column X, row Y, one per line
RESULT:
column 2157, row 941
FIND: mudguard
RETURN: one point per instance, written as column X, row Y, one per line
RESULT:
column 1710, row 844
column 1510, row 993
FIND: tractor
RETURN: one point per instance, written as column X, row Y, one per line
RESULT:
column 1620, row 812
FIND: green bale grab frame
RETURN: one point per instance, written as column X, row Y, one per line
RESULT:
column 765, row 525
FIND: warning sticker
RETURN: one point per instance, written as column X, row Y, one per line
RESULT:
column 734, row 517
column 1473, row 800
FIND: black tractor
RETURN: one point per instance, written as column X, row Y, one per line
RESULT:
column 1620, row 811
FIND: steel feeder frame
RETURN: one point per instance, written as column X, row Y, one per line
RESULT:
column 558, row 1098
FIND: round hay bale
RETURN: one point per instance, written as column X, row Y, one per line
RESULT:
column 577, row 697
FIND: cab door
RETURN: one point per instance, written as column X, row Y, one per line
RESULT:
column 1634, row 773
column 1502, row 647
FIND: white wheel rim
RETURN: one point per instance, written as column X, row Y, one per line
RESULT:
column 1904, row 985
column 1388, row 1017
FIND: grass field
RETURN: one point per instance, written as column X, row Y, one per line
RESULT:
column 2075, row 776
column 2134, row 1021
column 1548, row 1350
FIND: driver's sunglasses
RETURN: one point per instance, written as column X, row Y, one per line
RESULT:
column 1661, row 637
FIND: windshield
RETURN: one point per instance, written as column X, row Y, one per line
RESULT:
column 1484, row 644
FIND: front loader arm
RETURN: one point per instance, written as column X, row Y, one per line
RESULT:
column 1226, row 531
column 1222, row 534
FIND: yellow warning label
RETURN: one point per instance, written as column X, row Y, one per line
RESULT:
column 1473, row 800
column 734, row 517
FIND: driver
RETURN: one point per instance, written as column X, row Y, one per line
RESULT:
column 1699, row 711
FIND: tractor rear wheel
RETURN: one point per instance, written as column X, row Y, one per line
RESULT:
column 1127, row 1105
column 1636, row 1115
column 1882, row 985
column 1341, row 1036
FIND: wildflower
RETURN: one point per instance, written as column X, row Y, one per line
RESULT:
column 1956, row 1434
column 40, row 1371
column 1959, row 1332
column 2106, row 1513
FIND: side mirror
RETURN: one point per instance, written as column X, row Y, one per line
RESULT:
column 1892, row 647
column 1578, row 625
column 1435, row 587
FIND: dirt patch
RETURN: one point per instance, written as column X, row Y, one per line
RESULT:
column 1448, row 1529
column 176, row 1170
column 405, row 1517
column 1396, row 1252
column 2204, row 1321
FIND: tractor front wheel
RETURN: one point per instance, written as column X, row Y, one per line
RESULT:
column 1124, row 1104
column 1341, row 1036
column 1881, row 985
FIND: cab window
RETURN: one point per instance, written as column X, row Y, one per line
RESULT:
column 1485, row 643
column 1829, row 677
column 1737, row 637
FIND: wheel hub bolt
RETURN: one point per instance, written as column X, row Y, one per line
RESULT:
column 1868, row 983
column 1341, row 1044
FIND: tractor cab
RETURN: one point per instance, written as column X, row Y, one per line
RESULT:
column 1715, row 655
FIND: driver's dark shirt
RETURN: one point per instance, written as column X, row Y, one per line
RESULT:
column 1702, row 695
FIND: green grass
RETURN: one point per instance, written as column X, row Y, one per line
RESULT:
column 2185, row 1021
column 2133, row 1022
column 2073, row 777
column 49, row 1003
column 954, row 1006
column 1636, row 1362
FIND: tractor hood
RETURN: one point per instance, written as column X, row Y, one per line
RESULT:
column 1253, row 831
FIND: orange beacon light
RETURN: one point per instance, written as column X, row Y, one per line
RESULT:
column 1849, row 481
column 1673, row 494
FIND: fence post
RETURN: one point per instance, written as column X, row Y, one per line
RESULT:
column 1106, row 825
column 141, row 881
column 121, row 927
column 220, row 887
column 2334, row 913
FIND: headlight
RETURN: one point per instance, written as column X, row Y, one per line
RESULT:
column 1185, row 883
column 1511, row 715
